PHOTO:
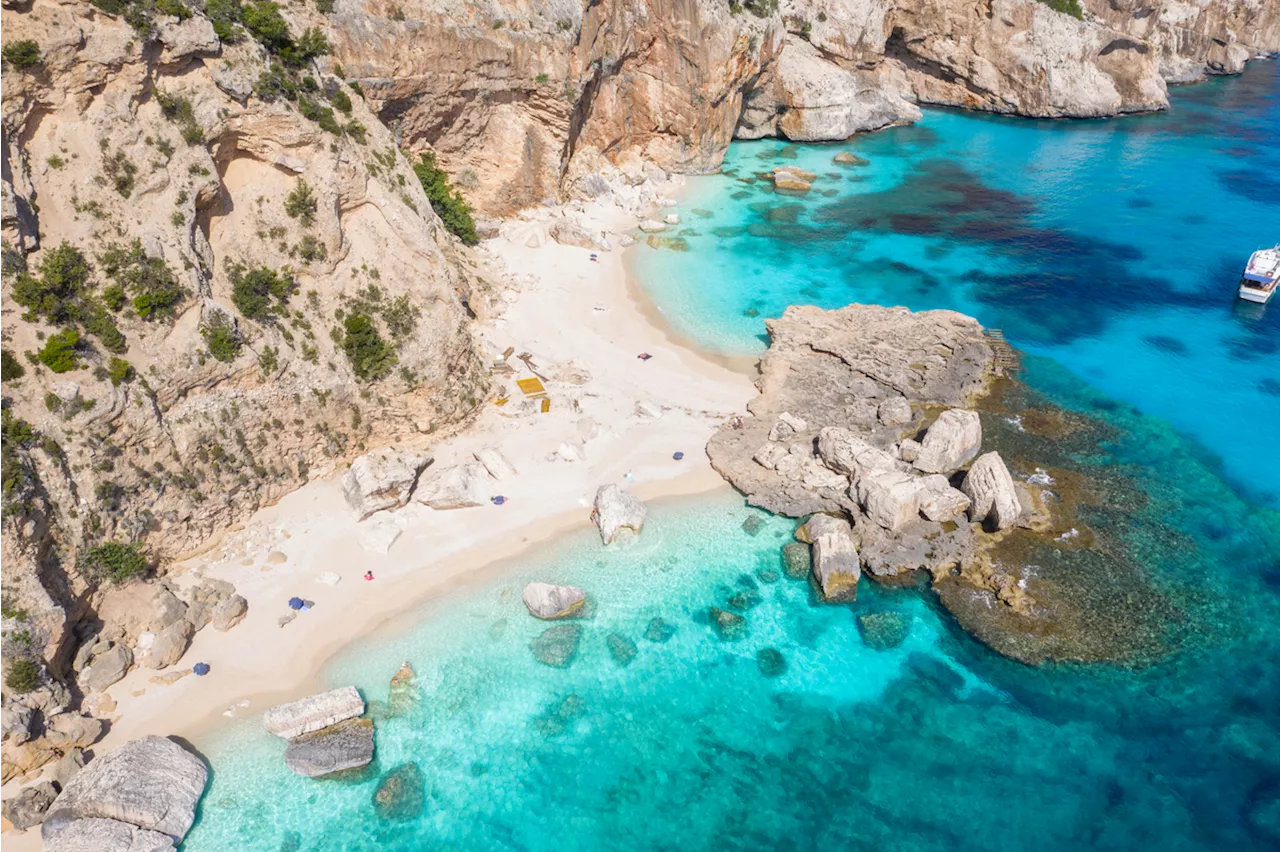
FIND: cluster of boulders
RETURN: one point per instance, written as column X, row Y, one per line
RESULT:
column 327, row 733
column 839, row 435
column 142, row 796
column 389, row 478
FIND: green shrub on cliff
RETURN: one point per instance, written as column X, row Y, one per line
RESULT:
column 260, row 294
column 11, row 368
column 53, row 297
column 112, row 562
column 370, row 356
column 300, row 204
column 149, row 280
column 23, row 676
column 221, row 337
column 1066, row 7
column 21, row 55
column 448, row 203
column 59, row 352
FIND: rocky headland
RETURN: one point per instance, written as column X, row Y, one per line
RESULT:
column 888, row 432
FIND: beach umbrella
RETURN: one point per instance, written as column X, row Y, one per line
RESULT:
column 678, row 456
column 499, row 500
column 200, row 669
column 295, row 603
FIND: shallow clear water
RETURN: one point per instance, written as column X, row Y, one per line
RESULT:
column 938, row 744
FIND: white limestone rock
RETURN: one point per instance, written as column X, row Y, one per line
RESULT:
column 990, row 486
column 835, row 561
column 615, row 511
column 939, row 501
column 787, row 427
column 150, row 783
column 894, row 411
column 953, row 439
column 890, row 498
column 313, row 712
column 844, row 452
column 496, row 463
column 547, row 601
column 381, row 479
column 457, row 487
column 106, row 835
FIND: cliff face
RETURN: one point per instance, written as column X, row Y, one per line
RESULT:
column 146, row 190
column 527, row 103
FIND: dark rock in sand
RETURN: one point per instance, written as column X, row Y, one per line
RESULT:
column 29, row 807
column 659, row 630
column 402, row 793
column 622, row 649
column 796, row 560
column 729, row 626
column 557, row 646
column 771, row 662
column 346, row 745
column 883, row 630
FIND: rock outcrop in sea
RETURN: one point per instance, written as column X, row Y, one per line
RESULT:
column 869, row 426
column 325, row 731
column 617, row 511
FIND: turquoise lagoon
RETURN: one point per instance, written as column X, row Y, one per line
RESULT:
column 1108, row 251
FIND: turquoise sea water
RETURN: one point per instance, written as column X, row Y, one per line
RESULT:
column 1108, row 250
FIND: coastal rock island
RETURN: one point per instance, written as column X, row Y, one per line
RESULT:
column 869, row 425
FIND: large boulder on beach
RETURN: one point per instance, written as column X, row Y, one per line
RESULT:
column 835, row 561
column 29, row 806
column 161, row 650
column 615, row 511
column 345, row 745
column 547, row 601
column 150, row 783
column 313, row 712
column 953, row 439
column 381, row 479
column 106, row 668
column 107, row 835
column 990, row 486
column 457, row 487
column 137, row 608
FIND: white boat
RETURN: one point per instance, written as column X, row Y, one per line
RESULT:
column 1261, row 275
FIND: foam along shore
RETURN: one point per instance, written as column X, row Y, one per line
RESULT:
column 619, row 414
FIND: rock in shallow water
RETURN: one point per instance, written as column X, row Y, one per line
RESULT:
column 622, row 649
column 313, row 712
column 557, row 646
column 729, row 626
column 615, row 511
column 659, row 630
column 883, row 630
column 402, row 793
column 796, row 560
column 346, row 745
column 548, row 602
column 771, row 662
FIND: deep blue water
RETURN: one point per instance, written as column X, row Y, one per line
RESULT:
column 1109, row 251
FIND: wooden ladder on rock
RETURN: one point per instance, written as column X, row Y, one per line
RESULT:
column 1006, row 358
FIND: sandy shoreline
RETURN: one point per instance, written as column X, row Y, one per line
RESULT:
column 584, row 323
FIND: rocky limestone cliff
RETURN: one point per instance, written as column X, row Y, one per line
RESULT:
column 534, row 103
column 166, row 198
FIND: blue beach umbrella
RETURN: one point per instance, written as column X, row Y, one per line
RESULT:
column 295, row 603
column 200, row 669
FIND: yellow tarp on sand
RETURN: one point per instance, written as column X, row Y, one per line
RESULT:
column 531, row 387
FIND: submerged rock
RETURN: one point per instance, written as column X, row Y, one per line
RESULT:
column 404, row 693
column 548, row 602
column 622, row 649
column 402, row 793
column 659, row 630
column 751, row 526
column 729, row 626
column 883, row 630
column 557, row 646
column 796, row 560
column 771, row 662
column 346, row 745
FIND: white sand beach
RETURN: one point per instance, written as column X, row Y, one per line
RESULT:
column 584, row 327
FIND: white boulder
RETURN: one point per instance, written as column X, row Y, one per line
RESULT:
column 890, row 498
column 953, row 439
column 547, row 601
column 939, row 501
column 381, row 479
column 835, row 561
column 990, row 486
column 496, row 463
column 456, row 487
column 313, row 712
column 617, row 510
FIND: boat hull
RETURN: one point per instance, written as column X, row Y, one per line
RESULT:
column 1251, row 295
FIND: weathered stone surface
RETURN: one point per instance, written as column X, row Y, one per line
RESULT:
column 615, row 511
column 30, row 805
column 401, row 794
column 381, row 479
column 496, row 463
column 547, row 601
column 457, row 487
column 895, row 411
column 106, row 668
column 345, row 745
column 150, row 783
column 890, row 498
column 883, row 630
column 843, row 451
column 107, row 835
column 939, row 501
column 570, row 233
column 19, row 722
column 990, row 486
column 137, row 608
column 786, row 427
column 229, row 612
column 72, row 730
column 836, row 566
column 163, row 649
column 953, row 439
column 313, row 712
column 557, row 646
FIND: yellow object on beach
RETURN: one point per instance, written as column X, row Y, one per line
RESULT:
column 502, row 400
column 531, row 387
column 546, row 404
